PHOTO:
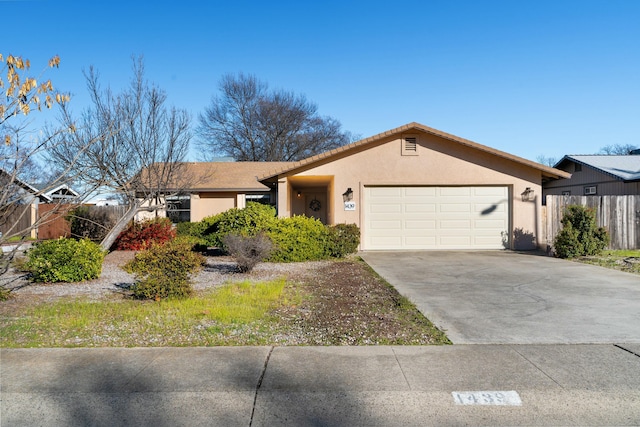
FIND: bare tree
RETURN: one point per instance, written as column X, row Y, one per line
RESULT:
column 547, row 161
column 20, row 149
column 138, row 149
column 251, row 123
column 618, row 149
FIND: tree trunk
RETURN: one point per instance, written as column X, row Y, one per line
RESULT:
column 122, row 223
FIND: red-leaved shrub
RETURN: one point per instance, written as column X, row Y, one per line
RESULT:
column 141, row 235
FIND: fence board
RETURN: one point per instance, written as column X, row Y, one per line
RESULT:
column 620, row 215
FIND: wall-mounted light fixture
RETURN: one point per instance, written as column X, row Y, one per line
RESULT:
column 527, row 194
column 299, row 195
column 347, row 196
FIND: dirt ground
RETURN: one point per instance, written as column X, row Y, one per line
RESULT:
column 344, row 303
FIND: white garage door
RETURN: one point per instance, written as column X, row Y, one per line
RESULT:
column 435, row 217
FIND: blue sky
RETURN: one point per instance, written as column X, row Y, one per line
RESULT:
column 527, row 77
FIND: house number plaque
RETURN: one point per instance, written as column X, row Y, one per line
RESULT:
column 350, row 206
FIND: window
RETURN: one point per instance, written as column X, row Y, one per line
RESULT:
column 179, row 208
column 264, row 199
column 409, row 145
column 590, row 190
column 577, row 167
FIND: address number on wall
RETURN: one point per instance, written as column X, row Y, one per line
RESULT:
column 349, row 206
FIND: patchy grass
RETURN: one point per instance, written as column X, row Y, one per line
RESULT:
column 202, row 320
column 338, row 303
column 623, row 260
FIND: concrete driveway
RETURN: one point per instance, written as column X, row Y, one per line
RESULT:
column 499, row 297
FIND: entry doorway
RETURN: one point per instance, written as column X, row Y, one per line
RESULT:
column 311, row 203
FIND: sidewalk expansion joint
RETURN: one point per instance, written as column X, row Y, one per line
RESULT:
column 627, row 350
column 400, row 366
column 537, row 367
column 255, row 396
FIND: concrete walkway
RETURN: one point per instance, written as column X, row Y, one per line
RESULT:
column 586, row 385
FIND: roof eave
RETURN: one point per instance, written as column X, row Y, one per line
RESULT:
column 547, row 171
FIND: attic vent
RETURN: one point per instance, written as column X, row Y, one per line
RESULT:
column 410, row 145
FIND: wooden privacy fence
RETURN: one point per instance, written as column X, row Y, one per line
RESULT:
column 53, row 223
column 15, row 219
column 620, row 215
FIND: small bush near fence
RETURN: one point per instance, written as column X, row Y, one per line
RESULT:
column 92, row 222
column 141, row 235
column 580, row 236
column 163, row 271
column 65, row 260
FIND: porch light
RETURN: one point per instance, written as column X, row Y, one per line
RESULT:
column 527, row 194
column 347, row 196
column 299, row 195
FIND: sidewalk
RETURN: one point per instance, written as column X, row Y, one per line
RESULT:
column 317, row 386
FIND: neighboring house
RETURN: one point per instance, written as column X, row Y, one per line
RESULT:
column 19, row 210
column 412, row 187
column 62, row 194
column 597, row 175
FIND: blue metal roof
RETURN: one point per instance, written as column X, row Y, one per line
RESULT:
column 624, row 167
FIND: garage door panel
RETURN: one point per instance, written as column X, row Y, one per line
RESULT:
column 484, row 208
column 420, row 207
column 386, row 208
column 490, row 224
column 488, row 241
column 455, row 207
column 453, row 191
column 418, row 242
column 490, row 191
column 435, row 217
column 455, row 241
column 386, row 225
column 420, row 191
column 420, row 225
column 455, row 224
column 385, row 191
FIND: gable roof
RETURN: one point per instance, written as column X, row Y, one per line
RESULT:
column 547, row 172
column 6, row 177
column 227, row 176
column 622, row 167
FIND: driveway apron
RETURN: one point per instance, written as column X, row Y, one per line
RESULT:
column 500, row 297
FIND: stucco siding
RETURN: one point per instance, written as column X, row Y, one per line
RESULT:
column 438, row 162
column 207, row 204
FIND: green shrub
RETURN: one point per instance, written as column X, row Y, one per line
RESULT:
column 65, row 260
column 91, row 222
column 299, row 238
column 143, row 234
column 5, row 293
column 248, row 221
column 192, row 232
column 580, row 235
column 343, row 240
column 187, row 229
column 163, row 271
column 248, row 251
